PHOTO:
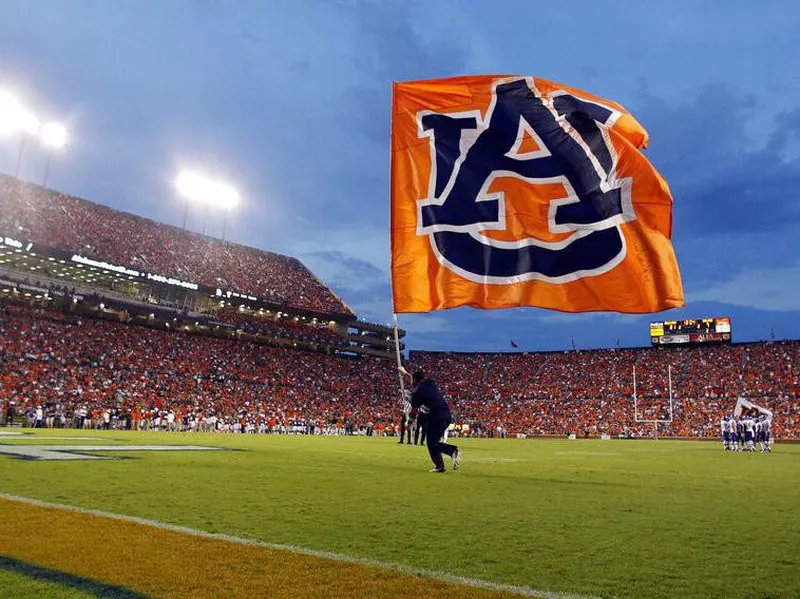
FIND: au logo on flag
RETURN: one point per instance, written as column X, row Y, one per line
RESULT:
column 526, row 194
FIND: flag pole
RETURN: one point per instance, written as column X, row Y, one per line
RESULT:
column 397, row 354
column 400, row 368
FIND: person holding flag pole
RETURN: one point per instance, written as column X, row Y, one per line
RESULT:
column 426, row 394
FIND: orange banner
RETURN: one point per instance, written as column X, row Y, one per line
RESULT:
column 516, row 191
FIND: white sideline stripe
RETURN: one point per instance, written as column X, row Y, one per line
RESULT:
column 339, row 557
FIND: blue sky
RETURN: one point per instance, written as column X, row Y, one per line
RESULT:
column 290, row 101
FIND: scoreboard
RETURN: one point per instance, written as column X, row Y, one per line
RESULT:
column 693, row 330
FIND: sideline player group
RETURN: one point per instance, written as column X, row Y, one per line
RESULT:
column 743, row 434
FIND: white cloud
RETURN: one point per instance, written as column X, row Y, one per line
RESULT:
column 367, row 243
column 348, row 273
column 772, row 289
column 375, row 310
column 555, row 317
column 421, row 324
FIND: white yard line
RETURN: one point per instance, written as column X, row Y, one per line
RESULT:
column 339, row 557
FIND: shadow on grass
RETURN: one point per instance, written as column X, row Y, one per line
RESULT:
column 65, row 579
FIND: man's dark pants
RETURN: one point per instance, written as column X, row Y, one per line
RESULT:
column 436, row 427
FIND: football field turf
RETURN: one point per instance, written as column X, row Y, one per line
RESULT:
column 334, row 516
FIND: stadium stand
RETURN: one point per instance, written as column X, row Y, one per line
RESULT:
column 71, row 362
column 57, row 220
column 278, row 324
column 589, row 393
column 88, row 344
column 127, row 375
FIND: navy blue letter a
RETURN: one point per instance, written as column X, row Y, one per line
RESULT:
column 574, row 152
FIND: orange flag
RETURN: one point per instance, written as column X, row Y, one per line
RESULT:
column 516, row 191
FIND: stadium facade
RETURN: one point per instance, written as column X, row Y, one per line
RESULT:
column 61, row 247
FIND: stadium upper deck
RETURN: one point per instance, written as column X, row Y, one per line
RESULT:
column 64, row 222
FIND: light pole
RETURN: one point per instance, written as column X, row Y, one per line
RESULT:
column 15, row 118
column 197, row 188
column 19, row 154
column 28, row 124
column 54, row 136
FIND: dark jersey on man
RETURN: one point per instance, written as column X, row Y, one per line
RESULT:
column 428, row 395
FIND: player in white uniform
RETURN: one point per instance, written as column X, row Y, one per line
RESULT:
column 749, row 427
column 757, row 432
column 732, row 434
column 723, row 429
column 766, row 425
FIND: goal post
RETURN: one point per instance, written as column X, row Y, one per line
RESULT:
column 639, row 418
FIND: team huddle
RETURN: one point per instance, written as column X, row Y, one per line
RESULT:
column 743, row 434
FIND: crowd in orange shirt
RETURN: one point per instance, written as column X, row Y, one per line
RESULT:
column 138, row 374
column 591, row 392
column 74, row 363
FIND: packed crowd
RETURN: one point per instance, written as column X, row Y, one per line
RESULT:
column 105, row 373
column 64, row 222
column 590, row 392
column 70, row 363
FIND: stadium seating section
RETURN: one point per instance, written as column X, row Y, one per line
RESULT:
column 284, row 327
column 69, row 363
column 64, row 222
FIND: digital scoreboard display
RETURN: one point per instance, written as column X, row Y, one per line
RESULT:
column 693, row 330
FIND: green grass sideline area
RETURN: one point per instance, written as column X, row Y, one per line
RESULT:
column 605, row 518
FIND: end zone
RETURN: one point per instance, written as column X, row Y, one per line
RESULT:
column 166, row 560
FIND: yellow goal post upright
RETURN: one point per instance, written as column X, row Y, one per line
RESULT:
column 642, row 419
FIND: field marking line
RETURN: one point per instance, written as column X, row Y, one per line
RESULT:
column 524, row 591
column 582, row 453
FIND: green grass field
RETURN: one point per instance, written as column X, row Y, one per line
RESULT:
column 600, row 518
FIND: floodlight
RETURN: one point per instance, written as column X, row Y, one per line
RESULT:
column 27, row 122
column 199, row 188
column 14, row 117
column 226, row 196
column 53, row 135
column 191, row 185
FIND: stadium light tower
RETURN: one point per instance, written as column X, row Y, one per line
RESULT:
column 54, row 136
column 200, row 189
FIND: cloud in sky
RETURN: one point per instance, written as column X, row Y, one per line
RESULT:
column 772, row 289
column 726, row 179
column 290, row 100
